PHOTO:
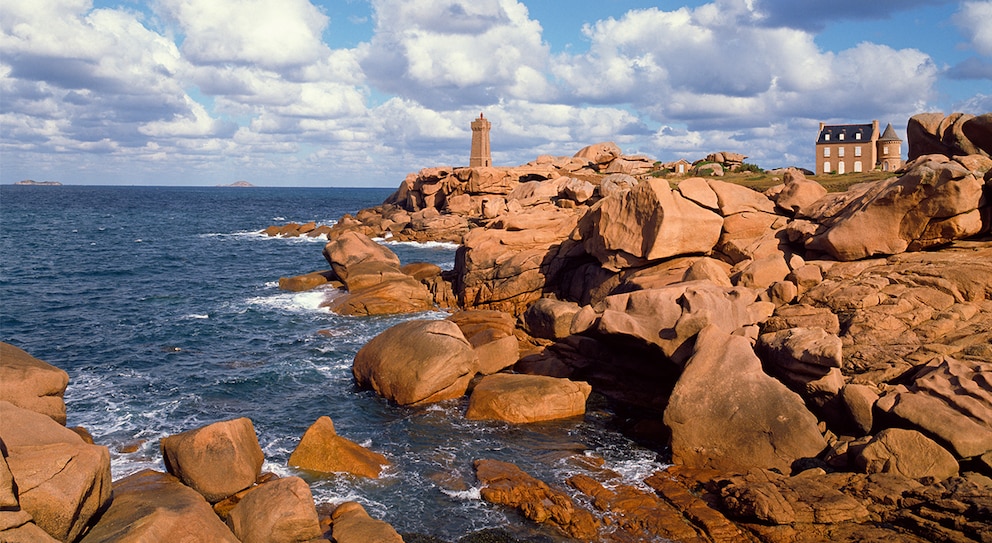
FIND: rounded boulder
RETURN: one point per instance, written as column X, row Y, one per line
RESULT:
column 527, row 398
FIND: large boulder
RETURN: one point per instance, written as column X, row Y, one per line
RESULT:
column 506, row 266
column 549, row 318
column 32, row 384
column 599, row 153
column 321, row 449
column 725, row 413
column 647, row 223
column 400, row 295
column 527, row 398
column 797, row 192
column 277, row 511
column 807, row 359
column 352, row 524
column 154, row 507
column 936, row 201
column 491, row 334
column 62, row 482
column 908, row 453
column 216, row 460
column 951, row 135
column 417, row 362
column 353, row 248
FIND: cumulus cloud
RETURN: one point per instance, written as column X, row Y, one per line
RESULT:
column 450, row 53
column 702, row 68
column 271, row 34
column 975, row 21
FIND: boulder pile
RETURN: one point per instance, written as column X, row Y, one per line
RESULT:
column 816, row 363
column 54, row 486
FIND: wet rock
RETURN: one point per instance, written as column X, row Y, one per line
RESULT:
column 527, row 398
column 725, row 413
column 32, row 384
column 155, row 507
column 216, row 460
column 417, row 362
column 351, row 524
column 307, row 281
column 279, row 510
column 506, row 484
column 321, row 449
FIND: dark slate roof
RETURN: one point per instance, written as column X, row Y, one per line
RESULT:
column 889, row 134
column 849, row 131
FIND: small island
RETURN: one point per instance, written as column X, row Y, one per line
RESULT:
column 32, row 182
column 238, row 184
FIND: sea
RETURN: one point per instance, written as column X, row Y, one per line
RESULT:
column 162, row 304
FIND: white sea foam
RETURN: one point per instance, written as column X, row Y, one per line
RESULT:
column 308, row 301
column 197, row 316
column 472, row 494
column 442, row 245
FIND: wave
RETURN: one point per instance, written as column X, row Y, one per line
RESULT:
column 260, row 235
column 441, row 245
column 309, row 301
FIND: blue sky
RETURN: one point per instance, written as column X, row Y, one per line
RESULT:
column 361, row 92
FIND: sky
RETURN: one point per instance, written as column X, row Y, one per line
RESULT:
column 358, row 93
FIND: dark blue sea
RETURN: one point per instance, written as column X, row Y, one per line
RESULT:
column 162, row 305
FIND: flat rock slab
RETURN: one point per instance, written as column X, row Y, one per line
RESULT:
column 527, row 398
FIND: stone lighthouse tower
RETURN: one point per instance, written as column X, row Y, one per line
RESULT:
column 481, row 155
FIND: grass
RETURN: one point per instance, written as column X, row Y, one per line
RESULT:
column 832, row 182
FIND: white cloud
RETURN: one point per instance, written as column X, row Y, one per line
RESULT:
column 975, row 19
column 272, row 34
column 448, row 53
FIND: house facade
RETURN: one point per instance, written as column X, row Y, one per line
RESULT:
column 850, row 148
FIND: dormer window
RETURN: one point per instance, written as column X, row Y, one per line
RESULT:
column 857, row 136
column 840, row 136
column 826, row 137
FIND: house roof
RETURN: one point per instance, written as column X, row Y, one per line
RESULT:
column 889, row 134
column 849, row 131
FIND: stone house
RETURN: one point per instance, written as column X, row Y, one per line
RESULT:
column 847, row 148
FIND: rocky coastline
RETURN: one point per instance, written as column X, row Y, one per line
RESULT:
column 816, row 366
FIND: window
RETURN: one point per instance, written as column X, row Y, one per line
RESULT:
column 826, row 151
column 826, row 137
column 857, row 151
column 840, row 151
column 885, row 149
column 840, row 136
column 857, row 136
column 857, row 166
column 826, row 167
column 840, row 167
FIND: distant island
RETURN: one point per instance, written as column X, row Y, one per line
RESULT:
column 238, row 184
column 32, row 182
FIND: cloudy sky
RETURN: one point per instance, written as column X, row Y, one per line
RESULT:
column 360, row 92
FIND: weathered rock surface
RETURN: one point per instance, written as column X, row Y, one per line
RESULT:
column 527, row 398
column 549, row 318
column 352, row 524
column 61, row 482
column 725, row 413
column 935, row 202
column 155, row 507
column 308, row 281
column 281, row 510
column 400, row 294
column 32, row 384
column 321, row 449
column 216, row 460
column 417, row 362
column 953, row 135
column 648, row 223
column 908, row 453
column 351, row 249
column 506, row 484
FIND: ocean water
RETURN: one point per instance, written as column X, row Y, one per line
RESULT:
column 162, row 305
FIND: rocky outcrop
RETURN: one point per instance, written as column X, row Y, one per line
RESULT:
column 155, row 507
column 725, row 413
column 322, row 450
column 216, row 460
column 61, row 482
column 32, row 384
column 527, row 398
column 506, row 484
column 938, row 200
column 957, row 134
column 417, row 362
